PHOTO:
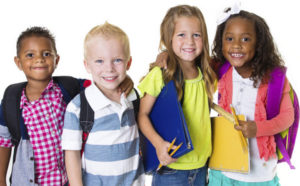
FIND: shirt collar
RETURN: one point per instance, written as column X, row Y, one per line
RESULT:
column 24, row 99
column 98, row 100
column 238, row 78
column 198, row 78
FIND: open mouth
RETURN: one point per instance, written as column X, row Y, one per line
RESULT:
column 110, row 78
column 236, row 55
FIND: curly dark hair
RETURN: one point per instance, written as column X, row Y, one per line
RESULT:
column 37, row 32
column 266, row 56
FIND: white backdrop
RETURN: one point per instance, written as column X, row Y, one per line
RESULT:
column 140, row 19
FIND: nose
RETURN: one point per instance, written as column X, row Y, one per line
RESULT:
column 109, row 66
column 40, row 58
column 237, row 44
column 190, row 40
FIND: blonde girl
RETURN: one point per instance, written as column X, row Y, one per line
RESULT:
column 184, row 36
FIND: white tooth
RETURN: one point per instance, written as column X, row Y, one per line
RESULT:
column 236, row 55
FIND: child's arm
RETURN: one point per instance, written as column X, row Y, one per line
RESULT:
column 73, row 167
column 277, row 124
column 126, row 86
column 161, row 60
column 146, row 127
column 4, row 161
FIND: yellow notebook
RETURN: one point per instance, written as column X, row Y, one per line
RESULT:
column 228, row 153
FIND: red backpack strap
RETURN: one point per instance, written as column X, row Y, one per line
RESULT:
column 86, row 119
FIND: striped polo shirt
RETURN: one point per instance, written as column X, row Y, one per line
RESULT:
column 111, row 154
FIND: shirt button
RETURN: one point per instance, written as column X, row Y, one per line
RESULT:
column 31, row 158
column 47, row 115
column 30, row 180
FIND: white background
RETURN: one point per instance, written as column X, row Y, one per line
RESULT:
column 140, row 19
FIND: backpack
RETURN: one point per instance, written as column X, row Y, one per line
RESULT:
column 86, row 116
column 285, row 140
column 11, row 104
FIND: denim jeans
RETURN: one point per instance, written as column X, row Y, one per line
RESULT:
column 172, row 177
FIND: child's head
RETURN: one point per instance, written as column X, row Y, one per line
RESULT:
column 36, row 54
column 244, row 40
column 107, row 56
column 184, row 35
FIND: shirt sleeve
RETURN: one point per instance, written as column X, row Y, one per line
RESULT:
column 283, row 120
column 152, row 83
column 72, row 132
column 5, row 137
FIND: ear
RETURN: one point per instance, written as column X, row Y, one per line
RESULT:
column 129, row 63
column 18, row 62
column 87, row 67
column 57, row 60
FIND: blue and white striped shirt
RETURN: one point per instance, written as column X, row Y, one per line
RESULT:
column 111, row 154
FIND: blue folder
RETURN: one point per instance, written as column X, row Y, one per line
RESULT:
column 168, row 120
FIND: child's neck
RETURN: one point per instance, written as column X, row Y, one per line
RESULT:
column 113, row 95
column 34, row 89
column 190, row 71
column 245, row 72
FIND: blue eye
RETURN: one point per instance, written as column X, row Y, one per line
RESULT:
column 180, row 35
column 99, row 61
column 118, row 60
column 196, row 35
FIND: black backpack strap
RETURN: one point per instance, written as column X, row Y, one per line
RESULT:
column 86, row 118
column 136, row 104
column 70, row 85
column 11, row 110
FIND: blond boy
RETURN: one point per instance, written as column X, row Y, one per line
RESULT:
column 111, row 153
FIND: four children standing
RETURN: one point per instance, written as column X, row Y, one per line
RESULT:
column 111, row 153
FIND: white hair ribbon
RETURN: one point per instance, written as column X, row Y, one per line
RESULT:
column 234, row 9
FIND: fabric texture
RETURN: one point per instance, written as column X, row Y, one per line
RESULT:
column 111, row 153
column 265, row 128
column 196, row 111
column 216, row 178
column 26, row 159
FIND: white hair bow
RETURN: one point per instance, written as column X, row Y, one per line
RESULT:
column 234, row 9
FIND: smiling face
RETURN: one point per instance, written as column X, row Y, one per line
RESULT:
column 239, row 41
column 187, row 39
column 37, row 58
column 107, row 62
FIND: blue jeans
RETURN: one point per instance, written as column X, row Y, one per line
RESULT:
column 172, row 177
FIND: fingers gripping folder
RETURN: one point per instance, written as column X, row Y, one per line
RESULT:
column 230, row 150
column 169, row 122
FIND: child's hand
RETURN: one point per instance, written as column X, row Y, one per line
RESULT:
column 163, row 155
column 248, row 128
column 126, row 86
column 161, row 60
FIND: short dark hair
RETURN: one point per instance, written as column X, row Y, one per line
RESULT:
column 37, row 32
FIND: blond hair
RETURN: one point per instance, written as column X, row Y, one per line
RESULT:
column 174, row 72
column 107, row 31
